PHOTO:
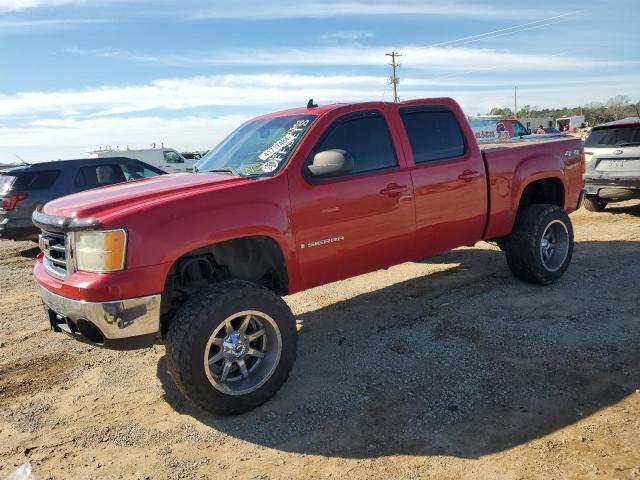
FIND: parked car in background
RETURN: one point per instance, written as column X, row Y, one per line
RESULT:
column 570, row 124
column 193, row 155
column 490, row 130
column 612, row 153
column 166, row 159
column 25, row 188
column 289, row 201
column 550, row 130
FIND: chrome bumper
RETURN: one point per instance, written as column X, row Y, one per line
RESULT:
column 114, row 320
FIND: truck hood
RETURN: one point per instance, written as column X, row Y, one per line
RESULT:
column 106, row 203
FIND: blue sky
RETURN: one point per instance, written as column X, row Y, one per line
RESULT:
column 80, row 74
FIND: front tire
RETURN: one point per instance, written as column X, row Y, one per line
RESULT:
column 230, row 348
column 594, row 204
column 540, row 248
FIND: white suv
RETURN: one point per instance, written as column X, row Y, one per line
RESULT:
column 612, row 154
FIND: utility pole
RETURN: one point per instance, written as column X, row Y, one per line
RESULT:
column 394, row 80
column 515, row 102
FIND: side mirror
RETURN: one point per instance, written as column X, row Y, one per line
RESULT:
column 528, row 131
column 331, row 163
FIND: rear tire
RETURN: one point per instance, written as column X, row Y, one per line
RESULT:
column 230, row 348
column 540, row 248
column 593, row 203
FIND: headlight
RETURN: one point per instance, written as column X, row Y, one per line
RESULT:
column 100, row 251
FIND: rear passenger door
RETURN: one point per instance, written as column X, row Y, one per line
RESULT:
column 448, row 177
column 358, row 222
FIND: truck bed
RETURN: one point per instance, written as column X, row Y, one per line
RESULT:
column 512, row 164
column 521, row 142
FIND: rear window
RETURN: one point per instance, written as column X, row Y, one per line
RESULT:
column 614, row 136
column 434, row 135
column 37, row 180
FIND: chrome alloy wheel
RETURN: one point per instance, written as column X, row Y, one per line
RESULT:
column 554, row 245
column 243, row 352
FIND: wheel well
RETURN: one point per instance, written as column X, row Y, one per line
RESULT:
column 257, row 259
column 549, row 191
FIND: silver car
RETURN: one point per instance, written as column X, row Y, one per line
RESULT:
column 612, row 154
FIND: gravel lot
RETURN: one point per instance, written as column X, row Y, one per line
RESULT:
column 447, row 368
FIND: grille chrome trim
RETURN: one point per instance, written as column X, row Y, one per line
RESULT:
column 54, row 246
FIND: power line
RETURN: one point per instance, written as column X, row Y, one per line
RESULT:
column 507, row 31
column 394, row 79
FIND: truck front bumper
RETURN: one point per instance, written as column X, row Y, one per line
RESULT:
column 122, row 324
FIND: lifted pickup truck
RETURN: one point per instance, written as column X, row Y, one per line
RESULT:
column 286, row 202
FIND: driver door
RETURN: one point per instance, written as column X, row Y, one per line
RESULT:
column 361, row 221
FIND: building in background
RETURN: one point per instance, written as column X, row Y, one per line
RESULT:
column 535, row 122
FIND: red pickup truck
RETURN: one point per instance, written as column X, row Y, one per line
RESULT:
column 286, row 202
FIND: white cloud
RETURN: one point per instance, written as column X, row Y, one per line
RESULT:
column 346, row 35
column 178, row 94
column 51, row 139
column 261, row 10
column 66, row 124
column 262, row 92
column 17, row 5
column 254, row 10
column 43, row 23
column 452, row 59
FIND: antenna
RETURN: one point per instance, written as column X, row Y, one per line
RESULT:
column 310, row 104
column 21, row 160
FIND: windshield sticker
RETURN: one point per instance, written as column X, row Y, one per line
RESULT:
column 269, row 166
column 284, row 142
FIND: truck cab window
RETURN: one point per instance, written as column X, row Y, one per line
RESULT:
column 433, row 135
column 172, row 157
column 367, row 139
column 518, row 129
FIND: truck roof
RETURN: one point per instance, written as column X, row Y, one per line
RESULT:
column 322, row 109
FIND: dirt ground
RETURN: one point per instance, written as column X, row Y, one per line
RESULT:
column 447, row 368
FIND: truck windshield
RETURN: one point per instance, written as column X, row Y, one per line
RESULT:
column 259, row 147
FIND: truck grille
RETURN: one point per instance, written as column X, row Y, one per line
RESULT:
column 55, row 252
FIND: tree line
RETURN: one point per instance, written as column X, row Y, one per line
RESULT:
column 595, row 113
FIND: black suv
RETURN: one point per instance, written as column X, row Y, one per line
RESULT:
column 25, row 188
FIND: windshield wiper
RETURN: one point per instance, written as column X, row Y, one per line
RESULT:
column 230, row 170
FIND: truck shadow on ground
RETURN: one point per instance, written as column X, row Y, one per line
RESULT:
column 30, row 252
column 464, row 362
column 633, row 209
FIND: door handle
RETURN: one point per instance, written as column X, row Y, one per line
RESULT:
column 468, row 175
column 393, row 189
